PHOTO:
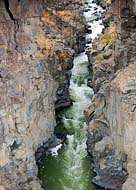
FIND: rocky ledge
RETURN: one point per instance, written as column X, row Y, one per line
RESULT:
column 111, row 117
column 37, row 42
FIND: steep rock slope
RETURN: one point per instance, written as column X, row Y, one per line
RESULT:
column 36, row 38
column 112, row 114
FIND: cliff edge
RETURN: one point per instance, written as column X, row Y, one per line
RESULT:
column 112, row 114
column 37, row 43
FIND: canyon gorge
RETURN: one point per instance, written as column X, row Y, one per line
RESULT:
column 40, row 41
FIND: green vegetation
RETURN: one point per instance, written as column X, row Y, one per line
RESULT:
column 27, row 188
column 106, row 38
column 31, row 186
column 9, row 50
column 99, row 58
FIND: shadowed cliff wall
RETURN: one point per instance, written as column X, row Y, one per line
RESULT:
column 112, row 114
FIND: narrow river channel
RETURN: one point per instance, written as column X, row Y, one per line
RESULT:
column 68, row 166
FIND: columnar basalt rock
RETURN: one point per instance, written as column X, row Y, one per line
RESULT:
column 112, row 114
column 37, row 43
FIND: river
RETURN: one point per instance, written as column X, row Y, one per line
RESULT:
column 68, row 166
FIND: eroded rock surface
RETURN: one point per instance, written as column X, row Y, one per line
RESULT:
column 37, row 43
column 112, row 114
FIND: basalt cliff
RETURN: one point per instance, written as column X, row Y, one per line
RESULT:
column 111, row 116
column 37, row 42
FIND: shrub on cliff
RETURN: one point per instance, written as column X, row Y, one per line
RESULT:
column 99, row 58
column 106, row 38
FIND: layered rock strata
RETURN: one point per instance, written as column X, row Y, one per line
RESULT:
column 112, row 114
column 37, row 42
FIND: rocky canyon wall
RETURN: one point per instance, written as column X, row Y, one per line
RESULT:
column 37, row 43
column 112, row 114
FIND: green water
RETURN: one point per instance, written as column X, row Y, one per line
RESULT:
column 69, row 168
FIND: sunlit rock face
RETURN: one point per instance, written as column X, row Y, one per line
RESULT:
column 112, row 115
column 37, row 43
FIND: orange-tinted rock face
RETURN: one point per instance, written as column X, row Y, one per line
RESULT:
column 36, row 41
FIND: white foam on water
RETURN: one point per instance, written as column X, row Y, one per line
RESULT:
column 82, row 57
column 96, row 29
column 96, row 26
column 54, row 151
column 75, row 150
